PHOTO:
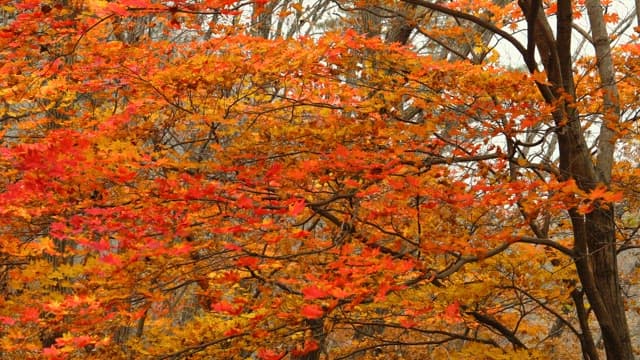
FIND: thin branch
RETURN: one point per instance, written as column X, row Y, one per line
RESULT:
column 474, row 19
column 585, row 34
column 547, row 242
column 547, row 308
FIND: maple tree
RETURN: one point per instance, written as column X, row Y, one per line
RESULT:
column 237, row 179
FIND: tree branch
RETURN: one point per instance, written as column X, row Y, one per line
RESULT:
column 499, row 327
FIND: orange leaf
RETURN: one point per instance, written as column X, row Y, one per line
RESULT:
column 339, row 293
column 597, row 193
column 603, row 193
column 613, row 197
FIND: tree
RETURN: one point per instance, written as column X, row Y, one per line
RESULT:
column 214, row 179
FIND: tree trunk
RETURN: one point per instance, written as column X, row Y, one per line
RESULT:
column 594, row 233
column 600, row 224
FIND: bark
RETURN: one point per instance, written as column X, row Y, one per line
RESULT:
column 396, row 29
column 600, row 223
column 589, row 351
column 262, row 24
column 611, row 102
column 594, row 233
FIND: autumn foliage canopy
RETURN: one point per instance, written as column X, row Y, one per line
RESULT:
column 266, row 179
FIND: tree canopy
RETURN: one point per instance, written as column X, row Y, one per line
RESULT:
column 289, row 179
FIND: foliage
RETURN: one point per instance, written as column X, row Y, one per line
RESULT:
column 176, row 183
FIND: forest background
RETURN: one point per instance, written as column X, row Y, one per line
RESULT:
column 326, row 179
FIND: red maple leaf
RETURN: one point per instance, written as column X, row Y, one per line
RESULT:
column 452, row 312
column 267, row 354
column 226, row 307
column 52, row 353
column 232, row 247
column 6, row 320
column 82, row 341
column 30, row 314
column 312, row 311
column 339, row 293
column 111, row 259
column 248, row 261
column 313, row 292
column 407, row 323
column 245, row 202
column 274, row 170
column 297, row 207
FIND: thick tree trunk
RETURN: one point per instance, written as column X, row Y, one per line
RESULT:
column 594, row 233
column 601, row 242
column 600, row 226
